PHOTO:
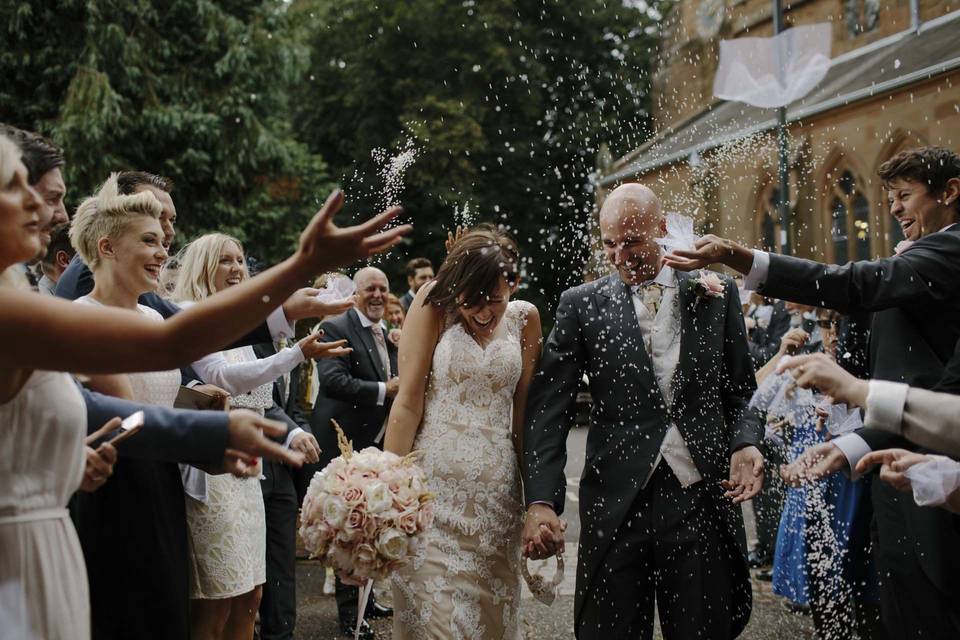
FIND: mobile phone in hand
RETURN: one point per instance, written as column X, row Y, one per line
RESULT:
column 128, row 428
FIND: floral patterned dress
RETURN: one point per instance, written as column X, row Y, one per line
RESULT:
column 228, row 534
column 464, row 580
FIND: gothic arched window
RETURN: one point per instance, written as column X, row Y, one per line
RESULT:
column 849, row 219
column 770, row 229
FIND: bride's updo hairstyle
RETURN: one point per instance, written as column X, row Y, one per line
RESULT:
column 474, row 267
column 106, row 215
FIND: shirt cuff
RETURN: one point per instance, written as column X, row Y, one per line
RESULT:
column 381, row 393
column 853, row 447
column 193, row 383
column 758, row 272
column 545, row 502
column 885, row 403
column 290, row 436
column 279, row 326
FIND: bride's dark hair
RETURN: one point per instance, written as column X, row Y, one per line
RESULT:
column 473, row 268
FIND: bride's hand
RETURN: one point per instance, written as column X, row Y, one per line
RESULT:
column 325, row 246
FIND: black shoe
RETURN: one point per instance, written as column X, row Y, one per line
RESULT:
column 793, row 607
column 347, row 627
column 377, row 610
column 766, row 575
column 757, row 560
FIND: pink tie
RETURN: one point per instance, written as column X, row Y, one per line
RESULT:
column 377, row 331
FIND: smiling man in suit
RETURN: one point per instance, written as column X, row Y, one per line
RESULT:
column 915, row 302
column 671, row 377
column 356, row 390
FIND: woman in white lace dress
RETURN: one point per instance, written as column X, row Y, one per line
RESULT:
column 225, row 514
column 467, row 357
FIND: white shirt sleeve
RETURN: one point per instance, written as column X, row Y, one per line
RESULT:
column 381, row 393
column 853, row 447
column 885, row 403
column 758, row 272
column 279, row 326
column 242, row 377
column 290, row 436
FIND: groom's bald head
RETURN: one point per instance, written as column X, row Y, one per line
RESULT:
column 630, row 219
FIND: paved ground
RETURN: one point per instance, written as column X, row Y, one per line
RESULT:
column 770, row 621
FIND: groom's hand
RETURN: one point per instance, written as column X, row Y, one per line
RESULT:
column 746, row 474
column 542, row 532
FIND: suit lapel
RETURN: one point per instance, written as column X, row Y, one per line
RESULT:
column 369, row 346
column 689, row 347
column 616, row 304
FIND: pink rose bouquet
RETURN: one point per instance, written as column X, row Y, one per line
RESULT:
column 364, row 512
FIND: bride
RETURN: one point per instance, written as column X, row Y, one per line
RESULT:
column 466, row 360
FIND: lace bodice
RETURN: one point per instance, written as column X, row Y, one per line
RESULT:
column 464, row 582
column 260, row 398
column 471, row 385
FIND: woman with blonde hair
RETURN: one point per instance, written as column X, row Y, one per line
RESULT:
column 42, row 413
column 225, row 515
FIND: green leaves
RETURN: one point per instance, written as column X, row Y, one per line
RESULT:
column 195, row 90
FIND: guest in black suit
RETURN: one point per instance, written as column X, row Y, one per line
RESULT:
column 916, row 323
column 419, row 272
column 766, row 324
column 278, row 604
column 671, row 377
column 356, row 390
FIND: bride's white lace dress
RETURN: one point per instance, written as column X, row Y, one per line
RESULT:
column 464, row 581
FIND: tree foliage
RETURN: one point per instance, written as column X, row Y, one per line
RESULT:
column 508, row 101
column 196, row 90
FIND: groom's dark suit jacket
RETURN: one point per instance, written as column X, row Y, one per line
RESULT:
column 915, row 298
column 597, row 333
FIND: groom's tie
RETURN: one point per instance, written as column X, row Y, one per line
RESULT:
column 651, row 293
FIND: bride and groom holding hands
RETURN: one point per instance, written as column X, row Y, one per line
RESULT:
column 671, row 451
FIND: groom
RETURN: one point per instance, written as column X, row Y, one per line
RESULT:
column 671, row 376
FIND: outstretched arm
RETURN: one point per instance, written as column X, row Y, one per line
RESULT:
column 928, row 270
column 420, row 336
column 105, row 340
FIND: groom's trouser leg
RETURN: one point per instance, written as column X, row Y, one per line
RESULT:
column 692, row 556
column 619, row 603
column 768, row 505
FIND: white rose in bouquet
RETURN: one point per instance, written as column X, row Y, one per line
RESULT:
column 392, row 544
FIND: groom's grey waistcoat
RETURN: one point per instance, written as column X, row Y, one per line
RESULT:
column 597, row 334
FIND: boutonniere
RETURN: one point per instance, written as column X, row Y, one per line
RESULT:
column 902, row 246
column 707, row 284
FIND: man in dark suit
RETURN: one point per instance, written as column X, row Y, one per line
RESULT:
column 766, row 324
column 356, row 390
column 916, row 323
column 419, row 272
column 671, row 377
column 278, row 605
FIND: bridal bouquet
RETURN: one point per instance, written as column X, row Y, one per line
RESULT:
column 364, row 513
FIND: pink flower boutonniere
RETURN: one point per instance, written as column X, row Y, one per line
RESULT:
column 706, row 284
column 902, row 246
